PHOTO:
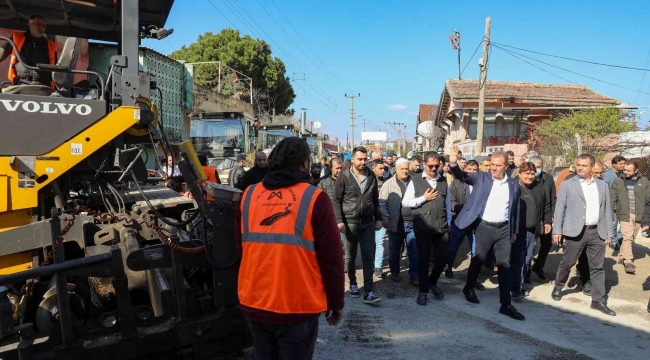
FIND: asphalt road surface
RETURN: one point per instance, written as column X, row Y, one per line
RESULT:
column 452, row 328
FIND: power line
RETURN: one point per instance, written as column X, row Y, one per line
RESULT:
column 578, row 60
column 306, row 43
column 224, row 15
column 245, row 16
column 573, row 72
column 647, row 61
column 290, row 38
column 431, row 16
column 535, row 66
column 299, row 65
column 413, row 16
column 470, row 60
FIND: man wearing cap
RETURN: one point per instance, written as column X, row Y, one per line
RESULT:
column 292, row 263
column 237, row 173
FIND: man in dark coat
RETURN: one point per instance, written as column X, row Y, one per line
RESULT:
column 257, row 173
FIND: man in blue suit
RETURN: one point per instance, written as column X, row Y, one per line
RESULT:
column 492, row 210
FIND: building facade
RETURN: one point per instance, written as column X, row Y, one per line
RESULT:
column 509, row 109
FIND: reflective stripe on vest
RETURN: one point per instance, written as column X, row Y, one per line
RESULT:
column 19, row 40
column 279, row 270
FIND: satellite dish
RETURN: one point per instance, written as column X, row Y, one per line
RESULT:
column 427, row 129
column 317, row 125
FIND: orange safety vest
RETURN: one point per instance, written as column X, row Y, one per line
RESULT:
column 212, row 177
column 19, row 40
column 279, row 271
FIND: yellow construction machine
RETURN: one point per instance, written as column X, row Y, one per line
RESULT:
column 144, row 270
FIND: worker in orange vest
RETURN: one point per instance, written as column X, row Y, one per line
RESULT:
column 34, row 49
column 292, row 263
column 213, row 175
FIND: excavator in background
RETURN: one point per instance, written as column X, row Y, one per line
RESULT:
column 97, row 260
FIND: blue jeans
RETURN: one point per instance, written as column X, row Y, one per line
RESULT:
column 530, row 247
column 456, row 238
column 521, row 254
column 618, row 235
column 395, row 240
column 380, row 236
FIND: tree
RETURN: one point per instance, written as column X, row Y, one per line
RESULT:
column 556, row 136
column 249, row 56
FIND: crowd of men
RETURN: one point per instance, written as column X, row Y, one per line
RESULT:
column 423, row 208
column 503, row 205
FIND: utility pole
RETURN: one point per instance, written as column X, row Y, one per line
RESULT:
column 303, row 119
column 457, row 38
column 482, row 83
column 352, row 116
column 364, row 124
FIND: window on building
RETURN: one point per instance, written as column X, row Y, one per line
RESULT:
column 472, row 130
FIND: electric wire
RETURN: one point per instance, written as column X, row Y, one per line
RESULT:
column 535, row 66
column 572, row 59
column 647, row 61
column 576, row 73
column 224, row 15
column 413, row 16
column 474, row 54
column 309, row 47
column 245, row 16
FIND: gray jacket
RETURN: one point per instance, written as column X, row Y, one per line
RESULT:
column 570, row 209
column 390, row 202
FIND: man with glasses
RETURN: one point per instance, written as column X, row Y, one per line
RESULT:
column 426, row 195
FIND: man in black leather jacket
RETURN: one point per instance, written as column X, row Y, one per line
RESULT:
column 356, row 207
column 237, row 173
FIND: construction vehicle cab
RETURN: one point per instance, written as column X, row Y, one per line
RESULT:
column 143, row 272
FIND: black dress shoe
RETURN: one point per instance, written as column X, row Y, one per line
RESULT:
column 586, row 288
column 437, row 293
column 479, row 287
column 512, row 312
column 557, row 293
column 414, row 282
column 649, row 306
column 540, row 273
column 422, row 299
column 602, row 307
column 470, row 295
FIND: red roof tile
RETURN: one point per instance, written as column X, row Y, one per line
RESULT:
column 427, row 112
column 551, row 94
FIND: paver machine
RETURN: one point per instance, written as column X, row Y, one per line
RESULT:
column 97, row 260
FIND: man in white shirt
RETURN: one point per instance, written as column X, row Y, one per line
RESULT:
column 583, row 214
column 426, row 195
column 492, row 210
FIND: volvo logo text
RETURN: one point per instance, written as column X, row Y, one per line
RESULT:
column 46, row 107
